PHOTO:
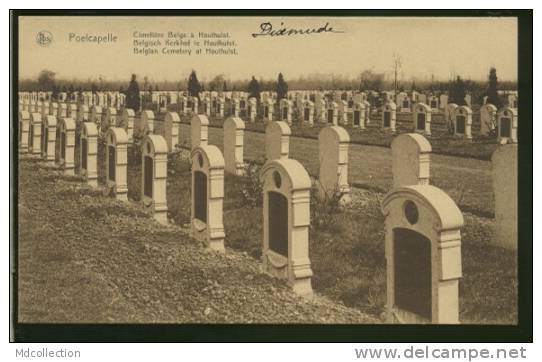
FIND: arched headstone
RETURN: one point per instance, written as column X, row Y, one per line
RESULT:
column 423, row 255
column 433, row 103
column 462, row 121
column 127, row 122
column 146, row 123
column 170, row 130
column 34, row 139
column 154, row 176
column 507, row 120
column 62, row 111
column 96, row 115
column 286, row 215
column 116, row 162
column 286, row 111
column 198, row 131
column 234, row 131
column 277, row 140
column 268, row 110
column 252, row 110
column 88, row 153
column 333, row 154
column 367, row 107
column 389, row 116
column 110, row 119
column 358, row 115
column 411, row 154
column 48, row 136
column 66, row 141
column 308, row 112
column 332, row 111
column 83, row 114
column 53, row 109
column 448, row 112
column 208, row 196
column 72, row 111
column 24, row 128
column 44, row 110
column 422, row 118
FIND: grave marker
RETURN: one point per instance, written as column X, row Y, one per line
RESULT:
column 333, row 154
column 127, row 122
column 116, row 164
column 423, row 255
column 507, row 120
column 411, row 154
column 24, row 127
column 286, row 215
column 48, row 136
column 234, row 131
column 208, row 196
column 198, row 131
column 462, row 120
column 277, row 140
column 66, row 141
column 154, row 176
column 422, row 118
column 34, row 138
column 389, row 116
column 170, row 130
column 88, row 153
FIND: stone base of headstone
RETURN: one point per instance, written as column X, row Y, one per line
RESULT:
column 213, row 239
column 160, row 215
column 121, row 195
column 92, row 182
column 303, row 288
column 239, row 169
column 276, row 266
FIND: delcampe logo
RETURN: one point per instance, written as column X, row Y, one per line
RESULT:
column 44, row 38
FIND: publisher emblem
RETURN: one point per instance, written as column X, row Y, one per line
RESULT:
column 44, row 38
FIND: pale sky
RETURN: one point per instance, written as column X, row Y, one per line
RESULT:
column 441, row 46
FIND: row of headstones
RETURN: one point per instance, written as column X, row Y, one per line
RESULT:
column 412, row 208
column 357, row 114
column 286, row 188
column 504, row 121
column 423, row 241
column 102, row 99
column 103, row 117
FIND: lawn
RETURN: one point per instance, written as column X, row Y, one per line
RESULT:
column 468, row 181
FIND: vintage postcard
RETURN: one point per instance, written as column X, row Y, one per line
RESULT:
column 268, row 169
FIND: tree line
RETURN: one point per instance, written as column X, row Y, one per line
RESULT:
column 368, row 80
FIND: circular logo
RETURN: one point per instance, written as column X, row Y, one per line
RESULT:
column 44, row 38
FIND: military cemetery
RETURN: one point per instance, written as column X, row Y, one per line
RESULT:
column 384, row 202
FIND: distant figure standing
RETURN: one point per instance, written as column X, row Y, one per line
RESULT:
column 132, row 95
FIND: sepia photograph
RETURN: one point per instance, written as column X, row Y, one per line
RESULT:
column 270, row 169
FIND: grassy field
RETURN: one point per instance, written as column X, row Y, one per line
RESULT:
column 442, row 142
column 468, row 181
column 87, row 258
